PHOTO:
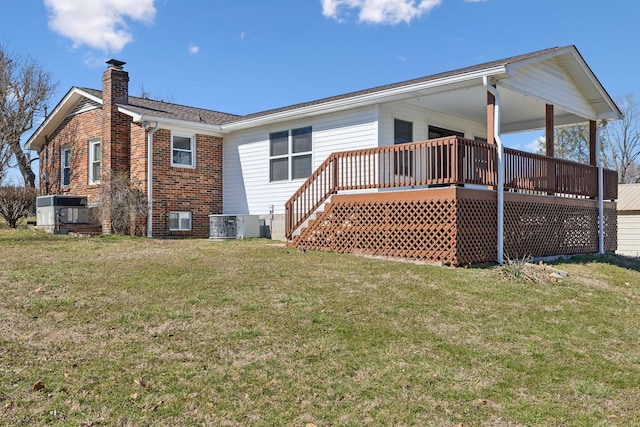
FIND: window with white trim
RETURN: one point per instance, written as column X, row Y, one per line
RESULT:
column 180, row 221
column 290, row 154
column 65, row 167
column 183, row 151
column 94, row 161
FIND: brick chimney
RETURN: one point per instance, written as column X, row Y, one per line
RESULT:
column 116, row 128
column 115, row 83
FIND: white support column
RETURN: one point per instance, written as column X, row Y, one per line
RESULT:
column 500, row 165
column 600, row 197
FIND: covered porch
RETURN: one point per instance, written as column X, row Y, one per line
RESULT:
column 459, row 200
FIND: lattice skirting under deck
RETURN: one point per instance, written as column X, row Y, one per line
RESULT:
column 457, row 226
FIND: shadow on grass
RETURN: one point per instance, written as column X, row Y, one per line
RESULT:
column 617, row 260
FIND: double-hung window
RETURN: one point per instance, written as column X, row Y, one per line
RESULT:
column 94, row 161
column 183, row 151
column 290, row 154
column 180, row 221
column 65, row 167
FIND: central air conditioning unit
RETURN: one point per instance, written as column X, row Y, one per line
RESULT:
column 53, row 211
column 234, row 226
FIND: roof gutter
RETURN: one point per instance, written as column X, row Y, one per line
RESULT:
column 216, row 130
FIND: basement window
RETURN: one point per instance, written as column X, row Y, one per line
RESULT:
column 180, row 221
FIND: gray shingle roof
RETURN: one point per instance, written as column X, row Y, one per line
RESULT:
column 144, row 106
column 443, row 75
column 162, row 109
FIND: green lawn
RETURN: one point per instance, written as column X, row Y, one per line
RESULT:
column 131, row 332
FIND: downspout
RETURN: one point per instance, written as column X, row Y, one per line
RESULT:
column 600, row 197
column 496, row 135
column 150, row 130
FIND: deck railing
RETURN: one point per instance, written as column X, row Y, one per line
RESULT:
column 443, row 161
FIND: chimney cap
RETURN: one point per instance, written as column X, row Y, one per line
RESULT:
column 116, row 63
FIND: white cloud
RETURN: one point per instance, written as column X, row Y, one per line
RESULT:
column 192, row 49
column 99, row 24
column 379, row 11
column 535, row 145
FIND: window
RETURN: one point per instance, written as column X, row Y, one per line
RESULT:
column 290, row 154
column 180, row 221
column 440, row 156
column 182, row 151
column 437, row 132
column 94, row 161
column 65, row 167
column 403, row 160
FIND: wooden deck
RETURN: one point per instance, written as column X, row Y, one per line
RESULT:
column 418, row 204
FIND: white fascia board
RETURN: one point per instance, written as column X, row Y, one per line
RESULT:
column 615, row 113
column 360, row 100
column 202, row 128
column 546, row 56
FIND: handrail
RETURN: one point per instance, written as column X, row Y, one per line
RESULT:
column 443, row 161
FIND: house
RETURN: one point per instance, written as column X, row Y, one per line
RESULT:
column 433, row 141
column 628, row 205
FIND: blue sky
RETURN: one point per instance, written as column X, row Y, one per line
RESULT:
column 247, row 56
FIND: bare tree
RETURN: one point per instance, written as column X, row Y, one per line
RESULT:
column 621, row 140
column 17, row 203
column 25, row 88
column 5, row 161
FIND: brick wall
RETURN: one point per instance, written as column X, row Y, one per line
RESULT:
column 197, row 190
column 124, row 151
column 75, row 133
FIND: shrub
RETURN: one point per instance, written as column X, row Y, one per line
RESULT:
column 126, row 205
column 17, row 203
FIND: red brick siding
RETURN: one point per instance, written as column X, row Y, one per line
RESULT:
column 75, row 132
column 124, row 151
column 197, row 190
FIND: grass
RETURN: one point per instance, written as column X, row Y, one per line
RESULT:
column 130, row 331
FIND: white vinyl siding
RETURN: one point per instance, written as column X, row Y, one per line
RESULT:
column 422, row 118
column 247, row 187
column 629, row 234
column 548, row 80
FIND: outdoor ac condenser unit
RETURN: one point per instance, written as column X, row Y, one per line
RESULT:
column 234, row 226
column 52, row 210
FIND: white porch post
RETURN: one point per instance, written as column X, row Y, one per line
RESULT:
column 600, row 197
column 500, row 148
